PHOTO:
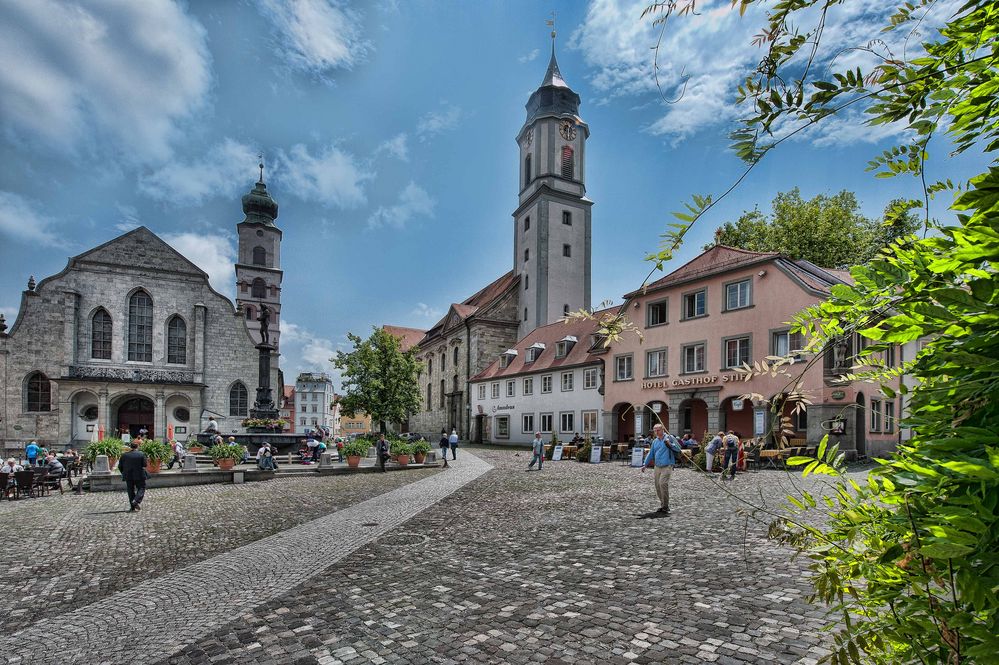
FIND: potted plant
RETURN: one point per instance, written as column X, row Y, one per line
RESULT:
column 226, row 455
column 157, row 453
column 354, row 451
column 113, row 448
column 196, row 448
column 420, row 450
column 402, row 451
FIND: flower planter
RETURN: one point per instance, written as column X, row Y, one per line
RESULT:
column 419, row 458
column 353, row 461
column 226, row 464
column 403, row 460
column 196, row 450
column 154, row 466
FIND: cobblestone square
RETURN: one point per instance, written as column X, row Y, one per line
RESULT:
column 479, row 563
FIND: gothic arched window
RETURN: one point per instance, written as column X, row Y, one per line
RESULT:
column 238, row 400
column 527, row 170
column 250, row 313
column 176, row 341
column 258, row 289
column 454, row 383
column 443, row 361
column 38, row 393
column 259, row 256
column 430, row 397
column 430, row 366
column 140, row 327
column 442, row 393
column 456, row 357
column 567, row 164
column 100, row 335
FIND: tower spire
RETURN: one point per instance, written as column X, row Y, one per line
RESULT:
column 260, row 156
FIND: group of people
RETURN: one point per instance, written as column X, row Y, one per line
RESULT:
column 730, row 441
column 42, row 459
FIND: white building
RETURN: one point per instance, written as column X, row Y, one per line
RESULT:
column 313, row 402
column 551, row 381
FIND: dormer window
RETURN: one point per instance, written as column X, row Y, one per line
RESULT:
column 534, row 352
column 507, row 357
column 564, row 345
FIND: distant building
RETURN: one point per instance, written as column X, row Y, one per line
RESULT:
column 357, row 424
column 550, row 382
column 288, row 407
column 314, row 401
column 131, row 336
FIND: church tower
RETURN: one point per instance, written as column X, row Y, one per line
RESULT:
column 552, row 223
column 258, row 266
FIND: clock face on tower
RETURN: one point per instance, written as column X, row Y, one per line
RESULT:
column 568, row 130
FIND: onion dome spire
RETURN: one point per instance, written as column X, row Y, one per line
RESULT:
column 258, row 206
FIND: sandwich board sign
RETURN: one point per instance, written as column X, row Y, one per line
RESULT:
column 637, row 454
column 557, row 453
column 595, row 453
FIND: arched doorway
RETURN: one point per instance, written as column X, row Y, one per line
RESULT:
column 694, row 418
column 737, row 416
column 624, row 422
column 860, row 426
column 135, row 414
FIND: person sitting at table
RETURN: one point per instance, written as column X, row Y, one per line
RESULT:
column 11, row 466
column 53, row 466
column 576, row 439
column 688, row 442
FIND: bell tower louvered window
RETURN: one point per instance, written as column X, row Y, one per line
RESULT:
column 567, row 163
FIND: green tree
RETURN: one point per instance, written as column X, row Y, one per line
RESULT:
column 378, row 378
column 826, row 230
column 909, row 561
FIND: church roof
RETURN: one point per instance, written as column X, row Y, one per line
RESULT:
column 140, row 246
column 408, row 337
column 553, row 76
column 553, row 97
column 474, row 304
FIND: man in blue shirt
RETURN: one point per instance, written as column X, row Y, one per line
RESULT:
column 662, row 456
column 31, row 452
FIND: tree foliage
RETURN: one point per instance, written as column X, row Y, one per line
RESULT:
column 909, row 561
column 829, row 231
column 379, row 379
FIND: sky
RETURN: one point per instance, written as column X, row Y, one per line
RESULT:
column 388, row 132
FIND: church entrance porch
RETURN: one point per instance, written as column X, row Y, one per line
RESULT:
column 133, row 415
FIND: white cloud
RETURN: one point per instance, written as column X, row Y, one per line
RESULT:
column 215, row 253
column 317, row 35
column 21, row 221
column 395, row 146
column 529, row 57
column 413, row 201
column 82, row 75
column 304, row 351
column 225, row 170
column 435, row 122
column 331, row 176
column 425, row 311
column 703, row 57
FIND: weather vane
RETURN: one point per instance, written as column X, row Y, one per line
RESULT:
column 552, row 24
column 260, row 156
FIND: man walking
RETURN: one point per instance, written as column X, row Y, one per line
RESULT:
column 382, row 450
column 662, row 456
column 538, row 448
column 178, row 455
column 31, row 452
column 133, row 471
column 453, row 442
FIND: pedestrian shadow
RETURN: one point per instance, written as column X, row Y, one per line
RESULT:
column 654, row 515
column 109, row 512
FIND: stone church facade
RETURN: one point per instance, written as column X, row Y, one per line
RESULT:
column 551, row 264
column 131, row 335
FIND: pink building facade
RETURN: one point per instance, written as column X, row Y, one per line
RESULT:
column 725, row 308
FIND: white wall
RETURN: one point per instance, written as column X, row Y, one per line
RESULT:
column 557, row 402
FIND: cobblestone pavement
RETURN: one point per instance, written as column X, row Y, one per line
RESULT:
column 551, row 567
column 65, row 551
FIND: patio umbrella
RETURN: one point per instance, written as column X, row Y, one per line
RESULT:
column 170, row 432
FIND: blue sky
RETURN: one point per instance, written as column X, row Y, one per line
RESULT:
column 388, row 129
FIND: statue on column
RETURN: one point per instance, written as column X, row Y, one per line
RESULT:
column 264, row 318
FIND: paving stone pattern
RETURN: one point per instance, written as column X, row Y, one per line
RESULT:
column 553, row 567
column 67, row 551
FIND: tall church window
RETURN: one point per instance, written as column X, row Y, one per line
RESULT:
column 527, row 170
column 567, row 217
column 565, row 310
column 456, row 357
column 442, row 393
column 527, row 254
column 259, row 256
column 140, row 327
column 454, row 384
column 258, row 289
column 567, row 163
column 525, row 313
column 250, row 312
column 567, row 250
column 100, row 335
column 527, row 224
column 430, row 397
column 430, row 365
column 238, row 400
column 527, row 282
column 39, row 393
column 177, row 341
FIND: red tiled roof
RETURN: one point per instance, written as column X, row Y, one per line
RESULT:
column 720, row 258
column 548, row 335
column 289, row 392
column 476, row 302
column 408, row 337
